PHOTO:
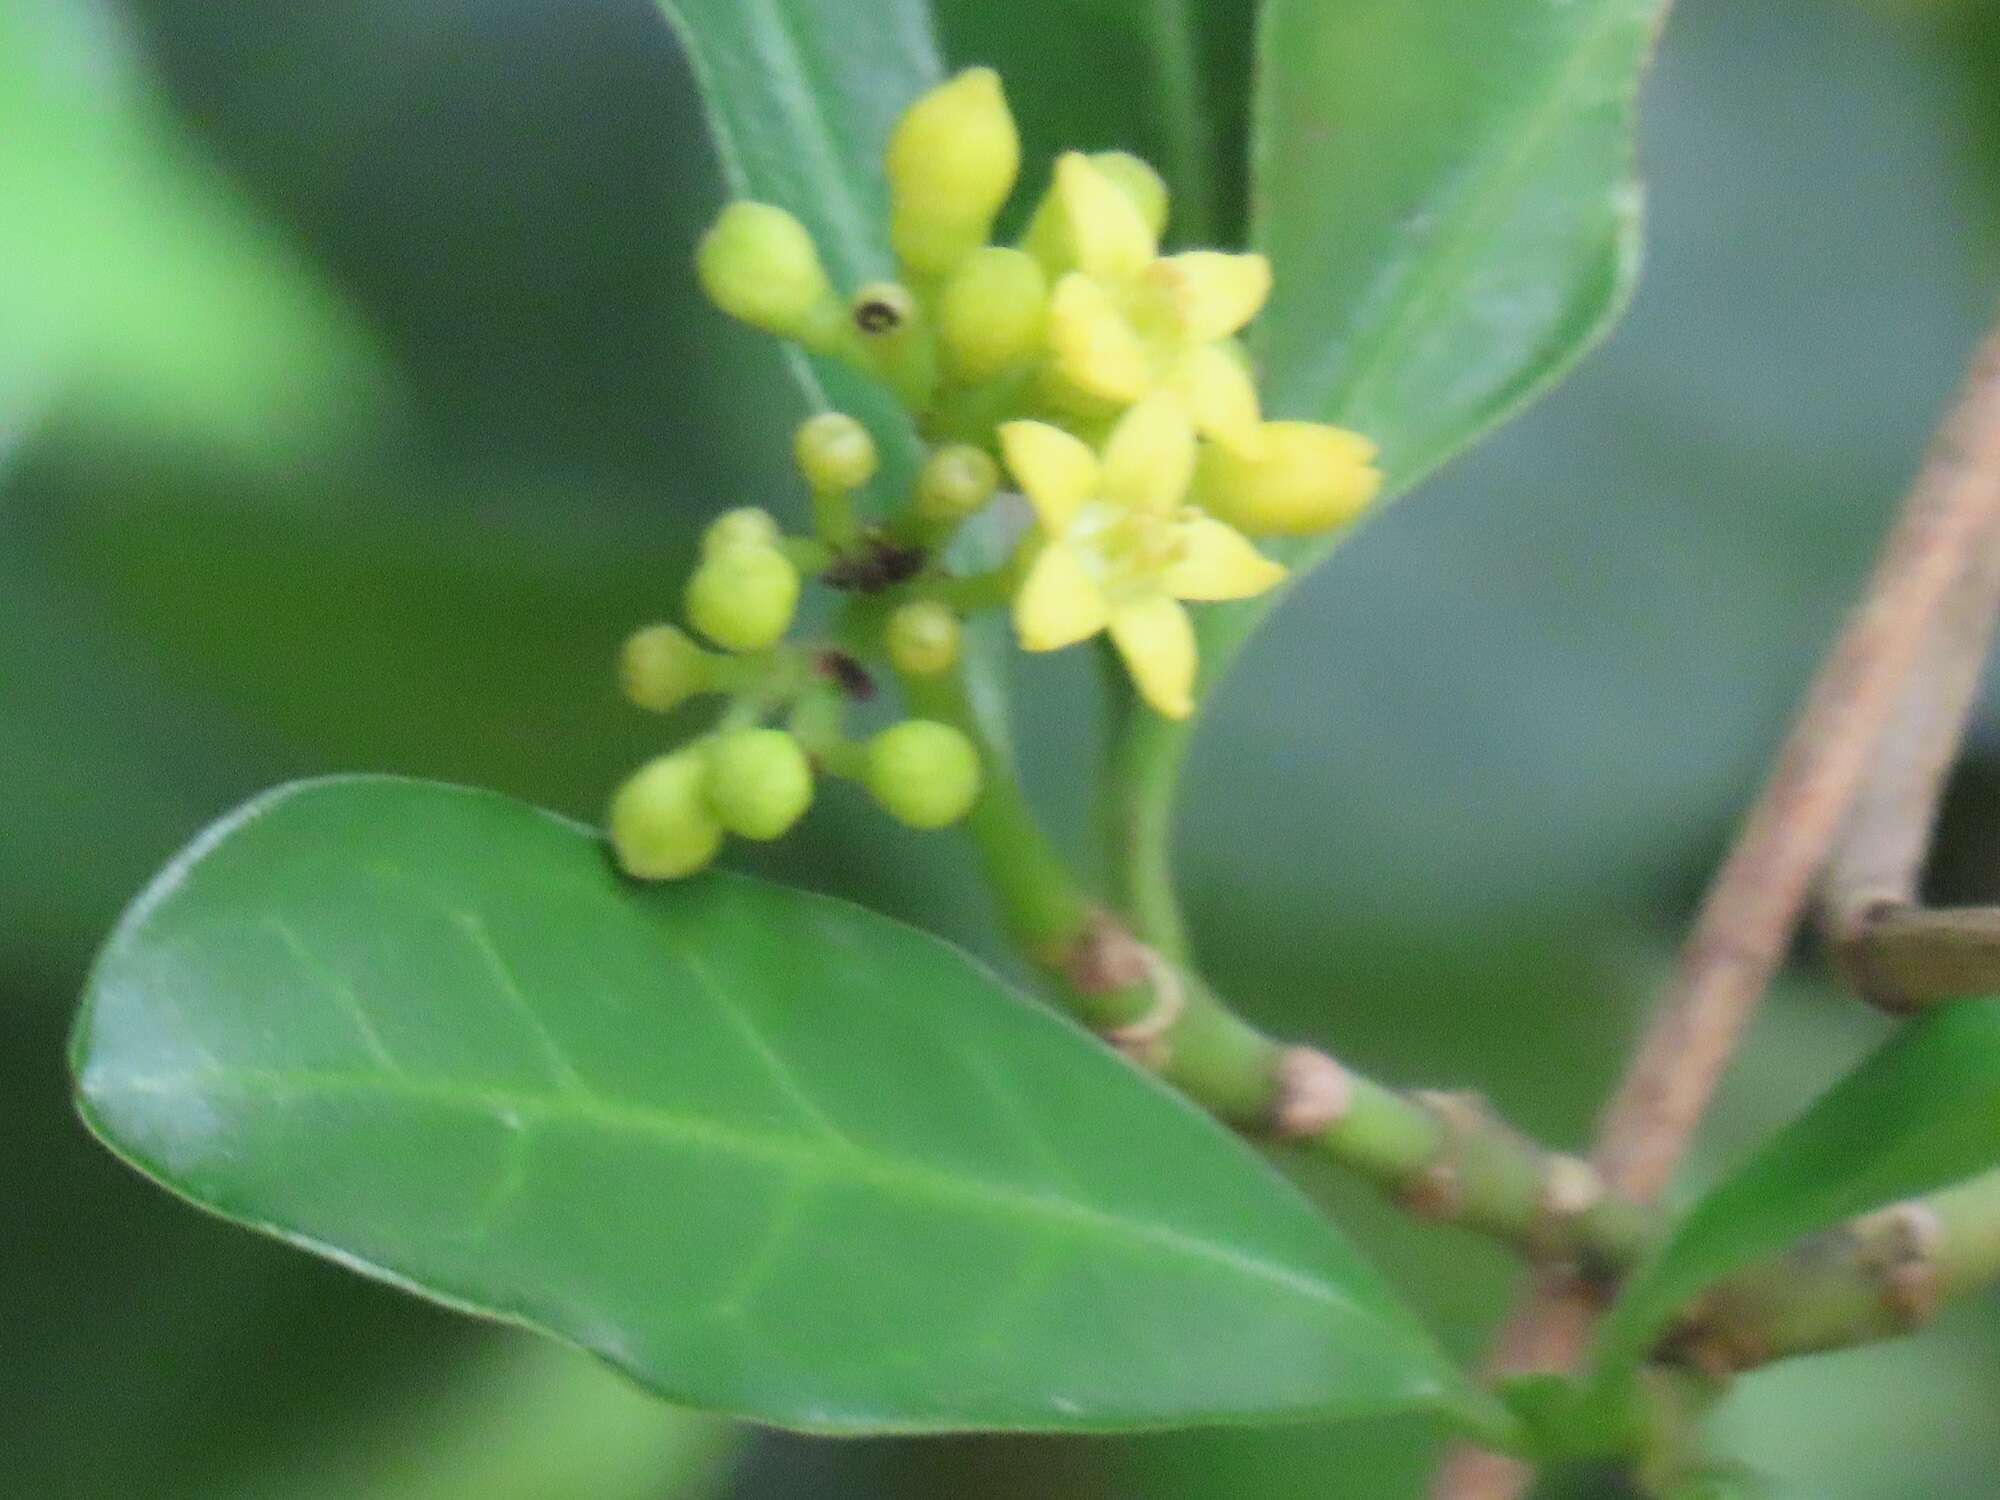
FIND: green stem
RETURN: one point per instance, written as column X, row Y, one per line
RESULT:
column 1043, row 909
column 1877, row 1277
column 1443, row 1157
column 1139, row 799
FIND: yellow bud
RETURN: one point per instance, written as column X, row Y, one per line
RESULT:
column 758, row 264
column 1137, row 180
column 1302, row 478
column 759, row 782
column 743, row 598
column 746, row 526
column 834, row 453
column 923, row 773
column 954, row 482
column 992, row 313
column 661, row 668
column 924, row 639
column 661, row 827
column 952, row 161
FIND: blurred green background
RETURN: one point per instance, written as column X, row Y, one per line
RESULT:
column 355, row 400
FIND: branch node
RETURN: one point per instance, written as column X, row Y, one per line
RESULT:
column 1571, row 1187
column 1145, row 1039
column 1903, row 1242
column 1314, row 1094
column 1436, row 1191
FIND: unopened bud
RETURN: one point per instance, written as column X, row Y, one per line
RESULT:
column 924, row 639
column 660, row 668
column 747, row 526
column 923, row 773
column 661, row 827
column 993, row 312
column 758, row 264
column 954, row 482
column 952, row 161
column 834, row 453
column 743, row 598
column 1300, row 479
column 759, row 782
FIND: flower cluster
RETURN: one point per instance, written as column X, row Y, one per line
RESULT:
column 1078, row 366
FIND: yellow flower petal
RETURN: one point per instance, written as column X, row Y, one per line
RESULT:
column 1220, row 396
column 1218, row 562
column 1305, row 478
column 1157, row 641
column 1057, row 472
column 1094, row 346
column 1215, row 294
column 1107, row 233
column 1059, row 603
column 1149, row 457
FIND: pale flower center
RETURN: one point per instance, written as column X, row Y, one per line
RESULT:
column 1124, row 550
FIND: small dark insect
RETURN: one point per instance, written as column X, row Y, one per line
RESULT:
column 847, row 674
column 876, row 564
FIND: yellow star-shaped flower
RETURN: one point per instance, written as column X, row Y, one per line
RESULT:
column 1125, row 321
column 1119, row 548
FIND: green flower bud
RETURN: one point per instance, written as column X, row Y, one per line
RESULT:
column 661, row 827
column 923, row 773
column 954, row 482
column 834, row 453
column 759, row 782
column 743, row 597
column 660, row 668
column 1137, row 180
column 952, row 161
column 993, row 312
column 924, row 639
column 758, row 264
column 746, row 526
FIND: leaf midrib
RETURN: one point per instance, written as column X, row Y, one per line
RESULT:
column 816, row 1157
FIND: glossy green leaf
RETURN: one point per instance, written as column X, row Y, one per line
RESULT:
column 1446, row 194
column 132, row 275
column 800, row 97
column 767, row 1152
column 1922, row 1112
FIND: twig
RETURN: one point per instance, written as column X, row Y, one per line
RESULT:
column 1895, row 951
column 1877, row 1277
column 1754, row 905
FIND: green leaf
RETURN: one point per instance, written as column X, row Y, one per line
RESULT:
column 133, row 275
column 767, row 1152
column 1922, row 1112
column 1446, row 194
column 800, row 97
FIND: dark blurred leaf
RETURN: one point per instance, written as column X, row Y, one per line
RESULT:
column 1924, row 1111
column 524, row 1420
column 801, row 96
column 131, row 275
column 1168, row 79
column 490, row 1046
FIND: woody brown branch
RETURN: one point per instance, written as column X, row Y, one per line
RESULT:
column 1754, row 905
